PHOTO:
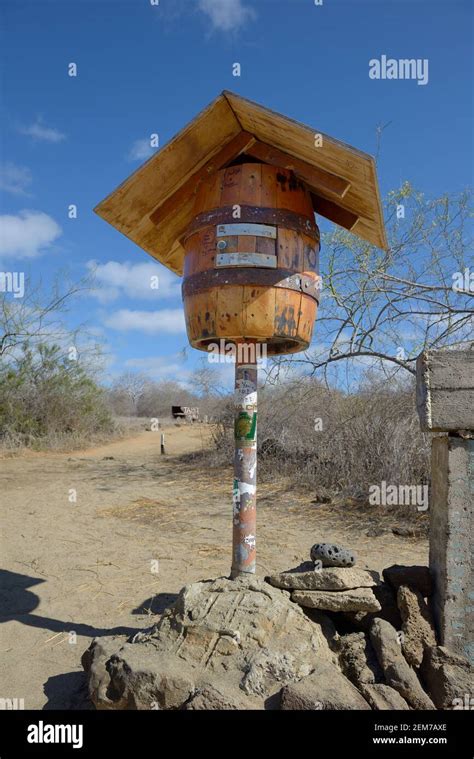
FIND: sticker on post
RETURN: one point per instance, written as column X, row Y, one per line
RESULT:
column 246, row 426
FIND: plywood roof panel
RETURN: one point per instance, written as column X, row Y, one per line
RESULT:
column 342, row 177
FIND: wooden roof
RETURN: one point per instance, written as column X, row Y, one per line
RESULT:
column 154, row 206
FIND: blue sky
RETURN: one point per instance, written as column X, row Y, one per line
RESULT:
column 146, row 69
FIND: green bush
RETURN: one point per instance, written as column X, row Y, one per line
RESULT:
column 45, row 395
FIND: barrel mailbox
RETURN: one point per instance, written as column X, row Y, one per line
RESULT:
column 251, row 260
column 230, row 203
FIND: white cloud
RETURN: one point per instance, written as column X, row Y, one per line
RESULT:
column 41, row 133
column 167, row 321
column 140, row 150
column 160, row 367
column 226, row 15
column 15, row 179
column 116, row 279
column 27, row 234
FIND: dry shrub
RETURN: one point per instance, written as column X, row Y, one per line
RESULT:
column 326, row 440
column 48, row 401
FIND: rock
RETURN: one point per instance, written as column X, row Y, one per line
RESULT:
column 448, row 677
column 384, row 594
column 397, row 671
column 324, row 688
column 417, row 625
column 243, row 632
column 358, row 660
column 332, row 555
column 381, row 696
column 411, row 531
column 416, row 577
column 327, row 626
column 358, row 599
column 375, row 532
column 321, row 498
column 215, row 698
column 94, row 661
column 134, row 677
column 330, row 578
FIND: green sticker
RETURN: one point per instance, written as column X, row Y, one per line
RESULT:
column 245, row 426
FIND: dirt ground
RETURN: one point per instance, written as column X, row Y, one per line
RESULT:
column 98, row 541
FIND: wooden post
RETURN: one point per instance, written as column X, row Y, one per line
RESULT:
column 245, row 462
column 445, row 400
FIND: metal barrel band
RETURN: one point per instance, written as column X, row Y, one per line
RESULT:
column 253, row 277
column 254, row 215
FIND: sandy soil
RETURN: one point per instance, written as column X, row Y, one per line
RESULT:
column 141, row 527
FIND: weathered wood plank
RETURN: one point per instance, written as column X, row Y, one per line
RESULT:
column 314, row 177
column 237, row 145
column 445, row 390
column 333, row 212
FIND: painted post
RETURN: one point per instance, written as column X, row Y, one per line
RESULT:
column 162, row 443
column 245, row 462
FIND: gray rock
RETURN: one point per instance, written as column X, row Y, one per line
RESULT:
column 216, row 698
column 375, row 532
column 324, row 688
column 381, row 696
column 242, row 632
column 94, row 660
column 332, row 555
column 416, row 577
column 359, row 599
column 448, row 677
column 358, row 660
column 330, row 578
column 417, row 625
column 397, row 671
column 389, row 611
column 327, row 626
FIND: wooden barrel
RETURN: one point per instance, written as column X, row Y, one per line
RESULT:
column 251, row 264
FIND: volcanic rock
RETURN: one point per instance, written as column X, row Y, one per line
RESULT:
column 416, row 577
column 358, row 660
column 448, row 677
column 397, row 671
column 332, row 555
column 381, row 696
column 417, row 625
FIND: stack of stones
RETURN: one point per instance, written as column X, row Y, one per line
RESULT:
column 383, row 631
column 330, row 582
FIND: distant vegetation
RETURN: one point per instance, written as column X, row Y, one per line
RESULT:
column 335, row 442
column 48, row 400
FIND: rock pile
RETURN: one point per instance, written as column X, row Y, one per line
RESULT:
column 320, row 636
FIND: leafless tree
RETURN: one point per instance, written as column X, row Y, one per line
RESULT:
column 388, row 306
column 38, row 316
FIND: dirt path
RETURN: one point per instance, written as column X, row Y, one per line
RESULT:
column 94, row 542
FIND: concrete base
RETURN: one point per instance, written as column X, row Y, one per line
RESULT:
column 452, row 542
